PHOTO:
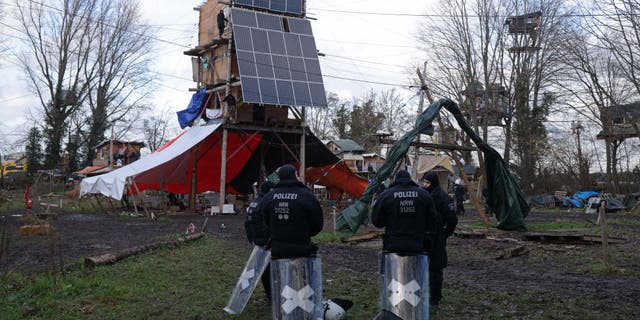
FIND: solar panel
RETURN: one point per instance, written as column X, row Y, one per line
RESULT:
column 284, row 6
column 277, row 67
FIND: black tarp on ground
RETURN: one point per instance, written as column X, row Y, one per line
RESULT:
column 505, row 198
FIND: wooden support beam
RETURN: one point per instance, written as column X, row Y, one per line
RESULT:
column 431, row 145
column 193, row 180
column 251, row 127
column 303, row 154
column 223, row 171
column 100, row 203
column 133, row 198
column 602, row 219
column 144, row 205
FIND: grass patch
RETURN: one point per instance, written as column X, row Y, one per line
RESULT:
column 623, row 221
column 559, row 224
column 79, row 206
column 599, row 267
column 12, row 204
column 164, row 219
column 192, row 282
column 188, row 283
column 324, row 237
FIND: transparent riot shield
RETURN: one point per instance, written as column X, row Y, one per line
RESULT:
column 405, row 286
column 257, row 263
column 296, row 289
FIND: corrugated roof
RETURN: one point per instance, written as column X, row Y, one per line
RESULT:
column 348, row 145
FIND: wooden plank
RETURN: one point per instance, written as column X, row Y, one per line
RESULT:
column 431, row 145
column 558, row 237
column 470, row 234
column 35, row 230
column 361, row 237
column 596, row 239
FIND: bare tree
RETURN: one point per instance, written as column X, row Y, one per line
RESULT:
column 601, row 69
column 468, row 49
column 397, row 118
column 320, row 120
column 58, row 46
column 534, row 93
column 3, row 46
column 118, row 70
column 156, row 130
column 471, row 58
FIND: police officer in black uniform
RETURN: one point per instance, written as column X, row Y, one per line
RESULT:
column 407, row 213
column 293, row 215
column 438, row 257
column 257, row 232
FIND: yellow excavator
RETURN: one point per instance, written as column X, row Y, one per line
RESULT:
column 14, row 165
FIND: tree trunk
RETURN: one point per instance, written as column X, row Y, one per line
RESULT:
column 110, row 258
column 54, row 132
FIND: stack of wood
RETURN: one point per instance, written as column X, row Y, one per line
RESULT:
column 36, row 230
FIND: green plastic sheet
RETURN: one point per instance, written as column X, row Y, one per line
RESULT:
column 505, row 198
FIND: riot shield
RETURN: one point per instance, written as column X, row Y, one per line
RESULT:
column 257, row 263
column 296, row 289
column 405, row 286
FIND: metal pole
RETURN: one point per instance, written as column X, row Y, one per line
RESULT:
column 302, row 147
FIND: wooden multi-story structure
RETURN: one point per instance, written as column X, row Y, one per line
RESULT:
column 258, row 63
column 117, row 152
column 620, row 122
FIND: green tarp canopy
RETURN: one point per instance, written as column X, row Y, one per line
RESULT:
column 505, row 198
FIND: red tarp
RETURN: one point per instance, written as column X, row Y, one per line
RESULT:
column 337, row 178
column 175, row 175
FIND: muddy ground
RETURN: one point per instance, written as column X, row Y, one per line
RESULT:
column 546, row 270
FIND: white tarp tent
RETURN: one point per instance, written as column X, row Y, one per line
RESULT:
column 113, row 184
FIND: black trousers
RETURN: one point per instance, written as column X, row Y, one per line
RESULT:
column 435, row 285
column 266, row 281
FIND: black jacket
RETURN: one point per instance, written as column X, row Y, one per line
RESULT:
column 407, row 213
column 257, row 232
column 293, row 215
column 459, row 192
column 444, row 206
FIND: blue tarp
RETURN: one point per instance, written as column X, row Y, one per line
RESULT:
column 574, row 202
column 185, row 117
column 585, row 195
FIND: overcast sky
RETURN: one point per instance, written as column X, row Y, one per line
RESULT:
column 362, row 50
